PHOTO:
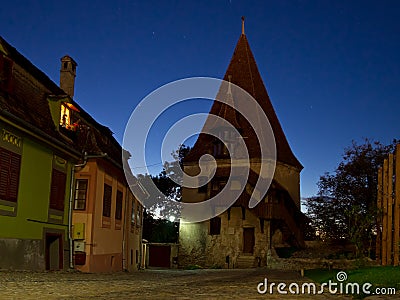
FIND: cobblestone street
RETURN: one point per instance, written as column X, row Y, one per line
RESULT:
column 149, row 284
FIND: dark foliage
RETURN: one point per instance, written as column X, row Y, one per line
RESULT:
column 159, row 230
column 161, row 221
column 345, row 207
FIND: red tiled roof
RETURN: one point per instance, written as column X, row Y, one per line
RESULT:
column 243, row 72
column 27, row 101
column 30, row 103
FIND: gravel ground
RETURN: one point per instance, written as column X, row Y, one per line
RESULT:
column 150, row 284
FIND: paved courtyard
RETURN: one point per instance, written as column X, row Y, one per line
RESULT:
column 150, row 284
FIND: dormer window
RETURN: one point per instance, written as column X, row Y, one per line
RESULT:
column 65, row 119
column 68, row 119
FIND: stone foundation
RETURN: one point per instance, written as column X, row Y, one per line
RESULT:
column 198, row 247
column 19, row 254
column 317, row 263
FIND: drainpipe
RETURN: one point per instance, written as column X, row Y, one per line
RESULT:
column 71, row 196
column 125, row 232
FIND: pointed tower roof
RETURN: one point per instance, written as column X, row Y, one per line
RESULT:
column 243, row 72
column 228, row 112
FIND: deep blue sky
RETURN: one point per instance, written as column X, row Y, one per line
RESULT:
column 331, row 68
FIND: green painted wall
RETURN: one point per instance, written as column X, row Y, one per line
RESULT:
column 55, row 110
column 34, row 194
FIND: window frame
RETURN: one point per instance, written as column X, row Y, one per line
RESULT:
column 13, row 169
column 107, row 200
column 203, row 186
column 215, row 226
column 118, row 205
column 77, row 190
column 65, row 110
column 57, row 190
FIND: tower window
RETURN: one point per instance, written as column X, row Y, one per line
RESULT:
column 215, row 226
column 203, row 185
column 65, row 65
column 262, row 225
column 218, row 185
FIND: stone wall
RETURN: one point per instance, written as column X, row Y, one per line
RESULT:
column 319, row 254
column 19, row 254
column 317, row 263
column 198, row 247
column 192, row 243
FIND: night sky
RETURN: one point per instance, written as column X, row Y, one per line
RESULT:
column 331, row 68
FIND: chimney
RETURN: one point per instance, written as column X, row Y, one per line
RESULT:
column 67, row 75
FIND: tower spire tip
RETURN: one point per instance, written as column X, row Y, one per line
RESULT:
column 243, row 25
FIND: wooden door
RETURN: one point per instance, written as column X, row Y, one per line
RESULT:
column 53, row 251
column 160, row 256
column 248, row 240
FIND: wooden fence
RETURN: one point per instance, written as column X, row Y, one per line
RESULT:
column 388, row 204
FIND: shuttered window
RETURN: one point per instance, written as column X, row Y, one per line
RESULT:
column 107, row 200
column 10, row 164
column 57, row 192
column 118, row 206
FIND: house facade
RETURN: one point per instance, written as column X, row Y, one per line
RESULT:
column 239, row 236
column 106, row 220
column 35, row 169
column 106, row 226
column 64, row 200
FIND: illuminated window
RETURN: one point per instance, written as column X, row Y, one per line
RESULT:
column 65, row 120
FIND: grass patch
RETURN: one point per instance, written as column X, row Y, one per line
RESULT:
column 321, row 275
column 379, row 276
column 387, row 276
column 193, row 267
